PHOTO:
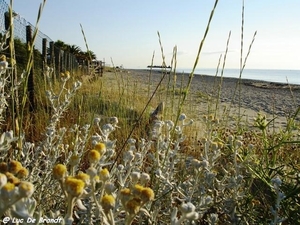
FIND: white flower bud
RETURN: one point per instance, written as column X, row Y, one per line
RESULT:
column 135, row 176
column 145, row 178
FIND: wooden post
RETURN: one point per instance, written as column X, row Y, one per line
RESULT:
column 57, row 61
column 52, row 59
column 44, row 51
column 30, row 84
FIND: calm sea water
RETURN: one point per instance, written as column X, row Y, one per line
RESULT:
column 278, row 76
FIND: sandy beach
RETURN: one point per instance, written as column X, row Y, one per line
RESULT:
column 253, row 96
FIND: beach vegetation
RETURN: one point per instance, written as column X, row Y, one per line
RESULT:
column 117, row 150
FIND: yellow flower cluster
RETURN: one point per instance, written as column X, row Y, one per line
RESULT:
column 74, row 186
column 108, row 202
column 100, row 147
column 94, row 156
column 133, row 199
column 84, row 177
column 11, row 174
column 26, row 189
column 59, row 171
column 10, row 177
column 14, row 168
column 104, row 174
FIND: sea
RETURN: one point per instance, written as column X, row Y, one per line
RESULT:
column 269, row 75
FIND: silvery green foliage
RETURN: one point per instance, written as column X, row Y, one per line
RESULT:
column 276, row 182
column 39, row 158
column 201, row 194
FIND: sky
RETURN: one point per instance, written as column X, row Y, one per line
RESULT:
column 124, row 33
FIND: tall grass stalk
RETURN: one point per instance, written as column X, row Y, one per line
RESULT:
column 243, row 62
column 28, row 69
column 140, row 116
column 191, row 75
column 14, row 78
column 150, row 74
column 221, row 76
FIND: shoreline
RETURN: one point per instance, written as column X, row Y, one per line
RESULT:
column 246, row 81
column 276, row 100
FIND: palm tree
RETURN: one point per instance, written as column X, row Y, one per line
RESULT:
column 91, row 55
column 74, row 49
column 61, row 45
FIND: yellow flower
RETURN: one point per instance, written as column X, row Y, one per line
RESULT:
column 147, row 194
column 59, row 171
column 137, row 190
column 97, row 178
column 133, row 206
column 12, row 179
column 104, row 174
column 26, row 189
column 108, row 202
column 23, row 173
column 74, row 186
column 125, row 195
column 14, row 166
column 100, row 147
column 8, row 190
column 94, row 156
column 84, row 177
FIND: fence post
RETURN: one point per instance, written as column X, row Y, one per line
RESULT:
column 30, row 84
column 52, row 60
column 44, row 51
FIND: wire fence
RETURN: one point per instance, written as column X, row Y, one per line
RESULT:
column 55, row 57
column 20, row 24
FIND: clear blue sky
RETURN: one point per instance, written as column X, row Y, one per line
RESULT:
column 126, row 31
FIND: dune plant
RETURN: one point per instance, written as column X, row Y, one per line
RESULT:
column 99, row 169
